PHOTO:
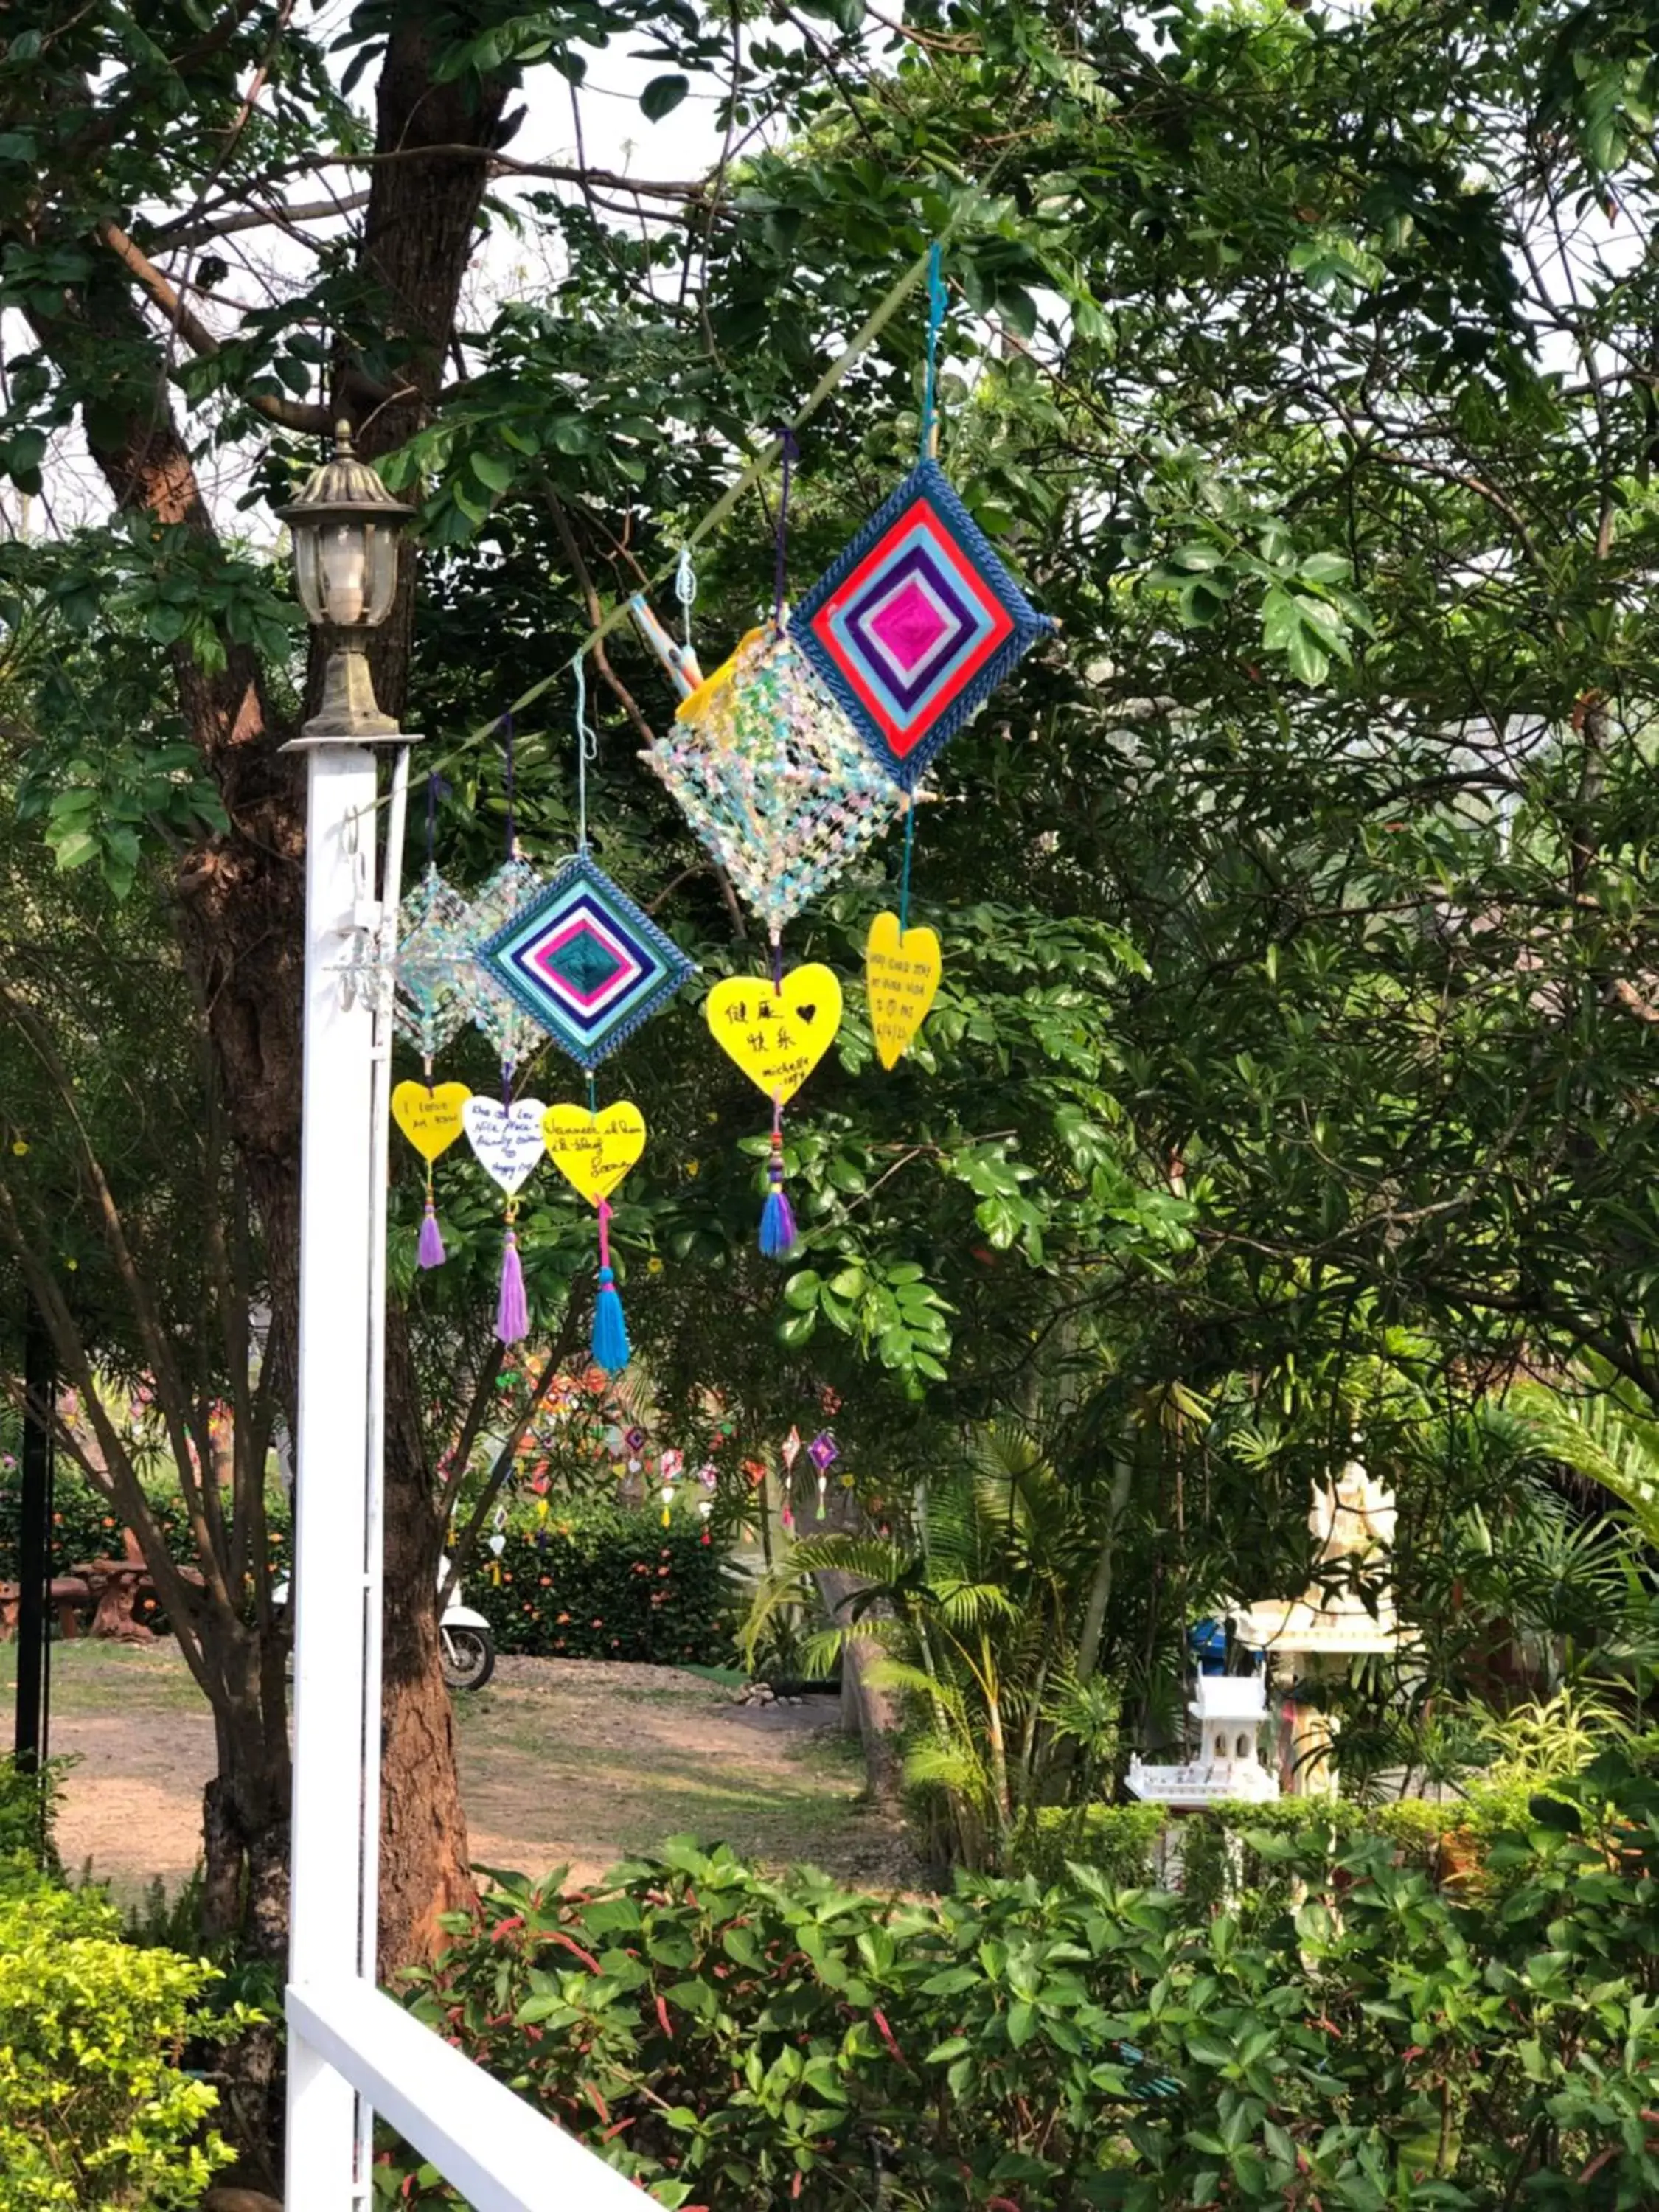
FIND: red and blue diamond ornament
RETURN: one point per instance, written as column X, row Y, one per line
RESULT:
column 917, row 624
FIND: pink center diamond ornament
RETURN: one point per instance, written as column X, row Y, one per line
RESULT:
column 917, row 624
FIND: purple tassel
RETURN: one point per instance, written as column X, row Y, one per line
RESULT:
column 430, row 1252
column 777, row 1222
column 512, row 1315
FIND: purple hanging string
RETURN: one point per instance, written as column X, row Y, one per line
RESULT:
column 512, row 851
column 791, row 455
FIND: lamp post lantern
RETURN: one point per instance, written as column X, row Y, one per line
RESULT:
column 345, row 525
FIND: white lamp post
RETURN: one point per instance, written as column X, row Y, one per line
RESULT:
column 345, row 525
column 352, row 2052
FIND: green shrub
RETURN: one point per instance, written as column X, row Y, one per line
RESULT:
column 1218, row 1850
column 607, row 1583
column 1120, row 1841
column 95, row 2112
column 745, row 2044
column 28, row 1806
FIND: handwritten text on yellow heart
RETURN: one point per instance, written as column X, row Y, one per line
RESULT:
column 431, row 1120
column 594, row 1151
column 902, row 974
column 777, row 1035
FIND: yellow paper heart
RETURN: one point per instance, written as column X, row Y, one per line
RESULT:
column 594, row 1151
column 431, row 1120
column 776, row 1035
column 902, row 974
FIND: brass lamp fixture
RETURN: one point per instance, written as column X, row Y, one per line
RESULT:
column 345, row 525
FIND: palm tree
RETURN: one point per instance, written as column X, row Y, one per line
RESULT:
column 977, row 1618
column 1608, row 1433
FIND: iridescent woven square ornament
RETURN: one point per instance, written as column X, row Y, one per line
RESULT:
column 428, row 1001
column 773, row 777
column 512, row 1031
column 584, row 963
column 916, row 624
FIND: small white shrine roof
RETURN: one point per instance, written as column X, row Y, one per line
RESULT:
column 1230, row 1698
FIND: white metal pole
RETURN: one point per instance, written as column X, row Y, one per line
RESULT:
column 332, row 1490
column 386, row 942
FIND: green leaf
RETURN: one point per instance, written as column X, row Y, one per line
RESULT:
column 663, row 95
column 494, row 473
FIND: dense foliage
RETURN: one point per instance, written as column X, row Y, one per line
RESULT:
column 575, row 1582
column 1383, row 2041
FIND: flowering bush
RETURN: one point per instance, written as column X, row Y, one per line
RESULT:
column 573, row 1583
column 606, row 1583
column 84, row 1527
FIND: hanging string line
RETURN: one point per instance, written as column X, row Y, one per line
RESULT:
column 938, row 299
column 780, row 561
column 436, row 789
column 587, row 749
column 858, row 346
column 909, row 846
column 685, row 591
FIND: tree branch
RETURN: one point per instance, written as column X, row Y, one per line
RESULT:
column 185, row 232
column 292, row 414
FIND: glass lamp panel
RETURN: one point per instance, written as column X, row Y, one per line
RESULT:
column 307, row 574
column 342, row 558
column 382, row 570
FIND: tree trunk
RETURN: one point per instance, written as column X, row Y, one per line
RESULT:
column 872, row 1712
column 240, row 908
column 1100, row 1586
column 424, row 1860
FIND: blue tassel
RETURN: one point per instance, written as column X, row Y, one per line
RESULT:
column 777, row 1226
column 610, row 1329
column 777, row 1221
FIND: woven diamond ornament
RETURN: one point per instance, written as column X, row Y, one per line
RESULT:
column 917, row 624
column 428, row 1004
column 510, row 1028
column 772, row 776
column 581, row 962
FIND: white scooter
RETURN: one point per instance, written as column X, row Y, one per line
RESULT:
column 467, row 1647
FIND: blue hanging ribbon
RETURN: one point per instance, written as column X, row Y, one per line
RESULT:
column 938, row 299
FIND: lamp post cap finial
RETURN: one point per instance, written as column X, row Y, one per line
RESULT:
column 343, row 435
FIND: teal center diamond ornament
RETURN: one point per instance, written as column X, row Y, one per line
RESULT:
column 583, row 962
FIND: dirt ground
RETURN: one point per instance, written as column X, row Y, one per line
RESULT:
column 562, row 1761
